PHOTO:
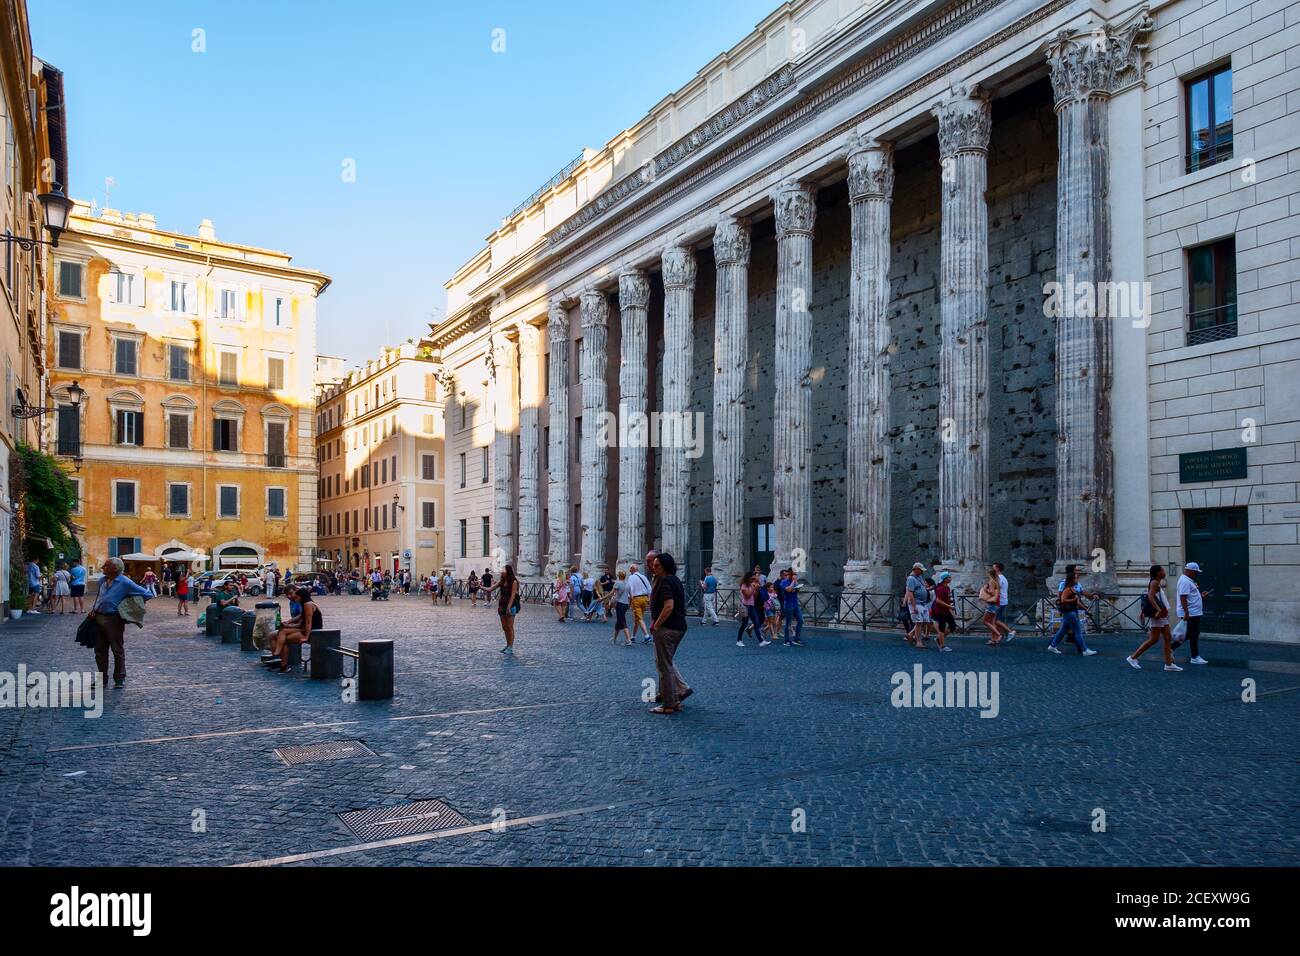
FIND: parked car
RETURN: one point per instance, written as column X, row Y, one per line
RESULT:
column 209, row 581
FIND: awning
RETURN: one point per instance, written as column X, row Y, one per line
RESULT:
column 140, row 557
column 185, row 557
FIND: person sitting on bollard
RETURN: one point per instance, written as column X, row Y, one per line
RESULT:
column 296, row 630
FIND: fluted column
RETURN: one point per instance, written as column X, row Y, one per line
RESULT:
column 505, row 416
column 731, row 247
column 530, row 402
column 965, row 123
column 560, row 557
column 679, row 339
column 792, row 405
column 871, row 189
column 634, row 434
column 1086, row 69
column 595, row 412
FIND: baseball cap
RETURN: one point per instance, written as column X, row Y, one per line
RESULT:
column 1192, row 566
column 918, row 565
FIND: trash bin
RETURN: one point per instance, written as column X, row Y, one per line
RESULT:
column 247, row 635
column 326, row 663
column 265, row 626
column 230, row 620
column 212, row 620
column 374, row 670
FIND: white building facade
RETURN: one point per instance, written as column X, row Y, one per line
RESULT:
column 953, row 281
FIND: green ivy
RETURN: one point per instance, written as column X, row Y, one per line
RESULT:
column 47, row 498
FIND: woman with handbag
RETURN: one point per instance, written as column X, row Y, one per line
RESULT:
column 507, row 589
column 989, row 598
column 1069, row 593
column 1155, row 608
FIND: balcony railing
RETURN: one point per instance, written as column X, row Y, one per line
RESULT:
column 67, row 447
column 1212, row 325
column 276, row 459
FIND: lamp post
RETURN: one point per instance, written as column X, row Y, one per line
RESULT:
column 56, row 207
column 21, row 409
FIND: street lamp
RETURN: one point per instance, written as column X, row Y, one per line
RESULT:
column 397, row 503
column 56, row 206
column 22, row 410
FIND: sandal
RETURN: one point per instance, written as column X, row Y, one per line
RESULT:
column 664, row 710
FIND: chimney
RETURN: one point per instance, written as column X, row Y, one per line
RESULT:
column 148, row 221
column 207, row 230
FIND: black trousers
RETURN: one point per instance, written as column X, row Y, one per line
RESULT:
column 1194, row 635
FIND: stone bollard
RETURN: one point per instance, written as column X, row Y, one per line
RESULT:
column 326, row 664
column 246, row 625
column 212, row 620
column 231, row 618
column 375, row 670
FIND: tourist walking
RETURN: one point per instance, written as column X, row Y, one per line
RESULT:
column 471, row 583
column 62, row 586
column 709, row 598
column 792, row 611
column 750, row 615
column 1069, row 600
column 114, row 587
column 560, row 599
column 988, row 597
column 668, row 613
column 182, row 594
column 1004, row 597
column 1155, row 606
column 918, row 606
column 942, row 610
column 638, row 591
column 771, row 599
column 77, row 584
column 507, row 606
column 620, row 599
column 1191, row 608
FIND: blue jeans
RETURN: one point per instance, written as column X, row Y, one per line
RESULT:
column 1070, row 622
column 793, row 612
column 753, row 618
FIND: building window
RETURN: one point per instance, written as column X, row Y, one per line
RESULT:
column 279, row 312
column 72, row 280
column 126, row 353
column 276, row 453
column 124, row 497
column 577, row 439
column 428, row 424
column 122, row 287
column 427, row 514
column 68, row 434
column 178, row 363
column 1209, row 119
column 487, row 535
column 182, row 300
column 1212, row 292
column 229, row 304
column 546, row 448
column 227, row 501
column 464, row 409
column 383, row 511
column 69, row 349
column 275, row 506
column 178, row 430
column 225, row 434
column 383, row 472
column 428, row 467
column 120, row 547
column 76, row 495
column 275, row 373
column 129, row 427
column 462, row 469
column 229, row 371
column 486, row 452
column 464, row 535
column 178, row 500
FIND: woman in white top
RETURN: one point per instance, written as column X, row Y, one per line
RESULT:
column 62, row 586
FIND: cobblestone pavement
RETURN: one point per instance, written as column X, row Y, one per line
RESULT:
column 555, row 746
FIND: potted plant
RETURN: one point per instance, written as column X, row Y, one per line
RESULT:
column 17, row 590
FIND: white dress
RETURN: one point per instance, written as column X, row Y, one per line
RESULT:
column 61, row 583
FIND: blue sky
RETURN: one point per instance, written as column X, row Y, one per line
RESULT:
column 447, row 135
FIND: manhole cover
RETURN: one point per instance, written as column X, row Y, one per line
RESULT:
column 316, row 753
column 423, row 816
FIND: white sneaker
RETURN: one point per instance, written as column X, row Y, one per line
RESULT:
column 1011, row 636
column 1089, row 652
column 945, row 648
column 1054, row 650
column 1198, row 659
column 740, row 643
column 1172, row 667
column 1133, row 664
column 764, row 643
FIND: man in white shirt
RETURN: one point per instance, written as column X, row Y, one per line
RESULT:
column 638, row 593
column 1191, row 607
column 1004, row 590
column 268, row 581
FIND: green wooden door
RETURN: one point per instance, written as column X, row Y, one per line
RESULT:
column 1218, row 539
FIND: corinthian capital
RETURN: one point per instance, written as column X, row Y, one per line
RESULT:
column 1098, row 62
column 871, row 169
column 731, row 240
column 530, row 340
column 595, row 308
column 557, row 314
column 795, row 209
column 633, row 290
column 965, row 121
column 679, row 267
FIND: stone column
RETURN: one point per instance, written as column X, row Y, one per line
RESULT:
column 595, row 411
column 634, row 429
column 674, row 465
column 871, row 189
column 792, row 405
column 965, row 122
column 731, row 248
column 1086, row 69
column 557, row 478
column 503, row 367
column 530, row 401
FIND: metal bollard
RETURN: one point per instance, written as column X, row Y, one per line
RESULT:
column 246, row 623
column 325, row 663
column 212, row 620
column 374, row 670
column 230, row 621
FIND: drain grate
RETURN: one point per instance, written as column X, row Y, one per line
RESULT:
column 423, row 816
column 317, row 753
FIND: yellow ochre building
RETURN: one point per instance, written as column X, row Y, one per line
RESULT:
column 197, row 358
